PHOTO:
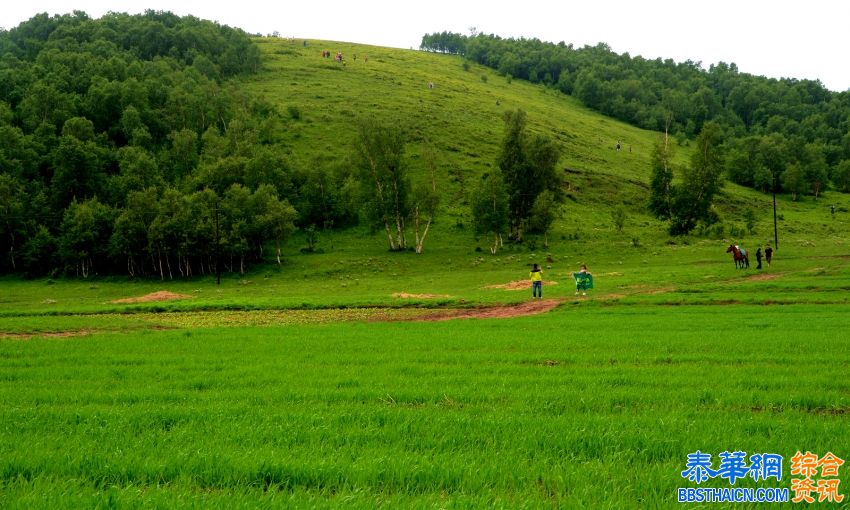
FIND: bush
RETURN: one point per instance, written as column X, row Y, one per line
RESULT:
column 294, row 112
column 750, row 220
column 618, row 216
column 312, row 238
column 735, row 231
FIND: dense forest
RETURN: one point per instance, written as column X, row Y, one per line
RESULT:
column 123, row 148
column 793, row 134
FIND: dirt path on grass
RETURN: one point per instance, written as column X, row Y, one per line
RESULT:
column 763, row 277
column 492, row 312
column 53, row 334
column 517, row 285
column 160, row 295
column 259, row 318
column 407, row 295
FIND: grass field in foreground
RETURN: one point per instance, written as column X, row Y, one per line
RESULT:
column 595, row 407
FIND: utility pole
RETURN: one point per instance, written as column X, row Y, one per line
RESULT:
column 775, row 230
column 217, row 238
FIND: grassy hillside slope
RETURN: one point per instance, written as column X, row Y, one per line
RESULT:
column 461, row 117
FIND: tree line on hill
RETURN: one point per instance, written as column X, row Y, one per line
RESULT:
column 124, row 147
column 788, row 133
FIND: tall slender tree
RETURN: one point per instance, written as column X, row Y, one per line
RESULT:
column 527, row 164
column 490, row 204
column 700, row 183
column 381, row 164
column 661, row 189
column 426, row 201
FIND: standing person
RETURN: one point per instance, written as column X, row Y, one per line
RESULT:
column 536, row 276
column 758, row 257
column 584, row 281
column 768, row 254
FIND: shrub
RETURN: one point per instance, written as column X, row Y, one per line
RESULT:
column 618, row 216
column 750, row 220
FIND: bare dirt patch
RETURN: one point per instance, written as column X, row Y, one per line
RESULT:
column 764, row 276
column 493, row 312
column 52, row 334
column 518, row 285
column 613, row 296
column 660, row 290
column 645, row 290
column 406, row 295
column 160, row 295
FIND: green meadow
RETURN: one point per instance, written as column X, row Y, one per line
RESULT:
column 317, row 384
column 590, row 405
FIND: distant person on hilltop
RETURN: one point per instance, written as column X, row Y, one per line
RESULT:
column 758, row 257
column 584, row 281
column 768, row 254
column 618, row 145
column 536, row 276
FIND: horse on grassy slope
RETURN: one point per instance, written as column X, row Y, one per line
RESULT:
column 739, row 255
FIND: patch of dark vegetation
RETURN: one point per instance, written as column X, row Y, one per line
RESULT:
column 829, row 411
column 766, row 302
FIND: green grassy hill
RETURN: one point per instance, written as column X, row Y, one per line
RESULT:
column 461, row 117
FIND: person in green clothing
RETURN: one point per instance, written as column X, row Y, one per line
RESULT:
column 584, row 281
column 536, row 276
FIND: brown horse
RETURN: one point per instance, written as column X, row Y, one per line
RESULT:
column 740, row 256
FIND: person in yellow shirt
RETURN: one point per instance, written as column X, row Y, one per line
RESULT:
column 536, row 276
